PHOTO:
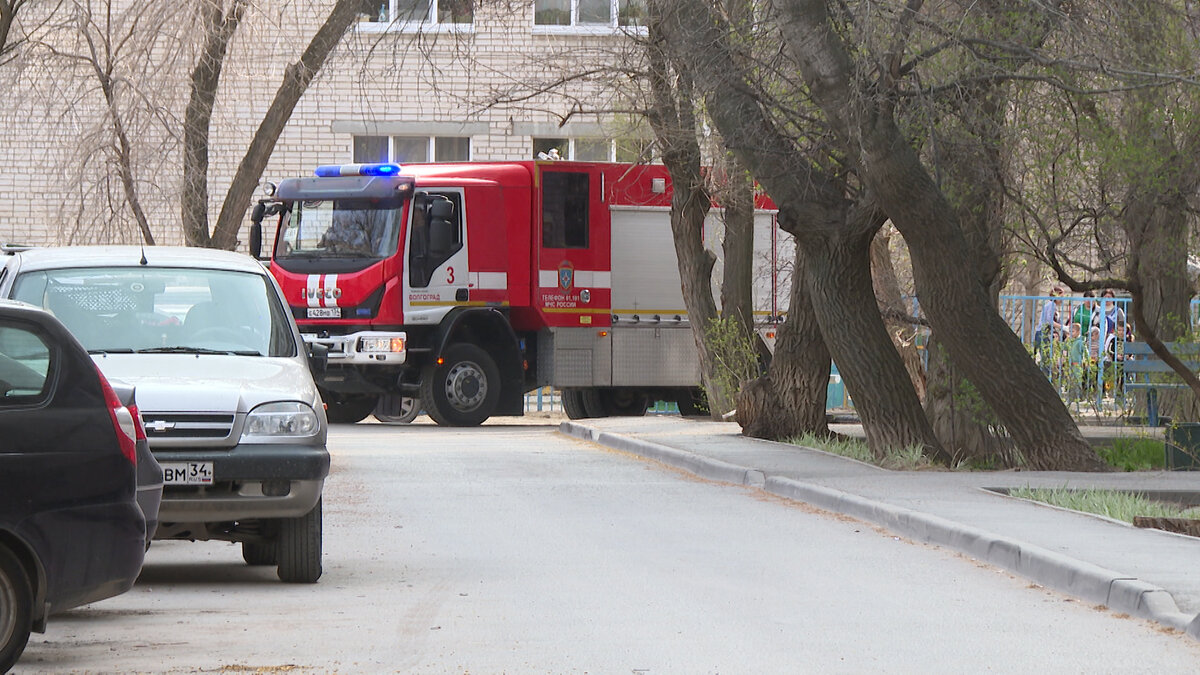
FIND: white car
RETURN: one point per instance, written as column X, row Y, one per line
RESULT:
column 223, row 383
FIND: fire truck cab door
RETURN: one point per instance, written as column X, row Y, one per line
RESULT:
column 436, row 255
column 573, row 268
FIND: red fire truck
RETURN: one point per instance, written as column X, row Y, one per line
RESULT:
column 466, row 285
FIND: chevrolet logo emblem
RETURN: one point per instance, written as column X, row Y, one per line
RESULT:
column 160, row 426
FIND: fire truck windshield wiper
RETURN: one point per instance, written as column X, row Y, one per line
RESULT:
column 111, row 350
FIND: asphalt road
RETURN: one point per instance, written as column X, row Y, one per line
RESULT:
column 513, row 549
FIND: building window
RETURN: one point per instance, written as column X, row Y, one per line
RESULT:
column 411, row 149
column 380, row 14
column 585, row 15
column 635, row 150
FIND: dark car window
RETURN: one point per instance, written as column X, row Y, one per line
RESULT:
column 25, row 365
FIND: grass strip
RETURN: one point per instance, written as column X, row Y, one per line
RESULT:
column 1111, row 503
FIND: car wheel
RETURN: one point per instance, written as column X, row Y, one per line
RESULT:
column 463, row 390
column 299, row 548
column 396, row 409
column 349, row 409
column 259, row 552
column 16, row 609
column 572, row 402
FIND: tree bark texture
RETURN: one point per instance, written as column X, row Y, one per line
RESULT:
column 296, row 79
column 206, row 77
column 887, row 294
column 975, row 336
column 790, row 399
column 737, row 284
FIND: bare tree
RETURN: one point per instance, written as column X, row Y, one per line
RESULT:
column 205, row 80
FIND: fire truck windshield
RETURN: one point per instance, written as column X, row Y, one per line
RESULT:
column 340, row 228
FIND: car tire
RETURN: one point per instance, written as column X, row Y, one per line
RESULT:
column 259, row 553
column 349, row 409
column 572, row 402
column 299, row 548
column 16, row 609
column 464, row 389
column 396, row 409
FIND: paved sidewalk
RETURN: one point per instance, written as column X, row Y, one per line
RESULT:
column 1146, row 573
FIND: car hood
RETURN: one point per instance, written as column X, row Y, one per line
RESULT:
column 209, row 382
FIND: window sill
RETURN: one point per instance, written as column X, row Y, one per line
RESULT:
column 412, row 27
column 590, row 30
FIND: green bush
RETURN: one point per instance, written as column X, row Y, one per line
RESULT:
column 1134, row 454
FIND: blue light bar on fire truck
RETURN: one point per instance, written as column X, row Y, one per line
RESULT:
column 332, row 170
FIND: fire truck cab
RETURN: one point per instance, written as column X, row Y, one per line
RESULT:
column 468, row 284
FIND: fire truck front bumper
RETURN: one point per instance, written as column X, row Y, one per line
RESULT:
column 366, row 347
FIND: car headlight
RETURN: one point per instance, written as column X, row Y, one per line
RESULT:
column 288, row 418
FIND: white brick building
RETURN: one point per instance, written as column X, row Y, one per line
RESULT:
column 415, row 88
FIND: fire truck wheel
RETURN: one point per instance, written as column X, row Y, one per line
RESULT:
column 572, row 402
column 349, row 409
column 594, row 403
column 623, row 403
column 397, row 409
column 462, row 391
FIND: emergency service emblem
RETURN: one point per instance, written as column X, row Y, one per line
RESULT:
column 566, row 275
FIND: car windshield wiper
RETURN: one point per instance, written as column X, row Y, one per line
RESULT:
column 184, row 350
column 111, row 350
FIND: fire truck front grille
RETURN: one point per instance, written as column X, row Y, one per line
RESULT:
column 187, row 425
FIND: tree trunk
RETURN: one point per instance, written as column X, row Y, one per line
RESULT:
column 296, row 79
column 790, row 399
column 887, row 294
column 737, row 284
column 977, row 339
column 838, row 271
column 206, row 77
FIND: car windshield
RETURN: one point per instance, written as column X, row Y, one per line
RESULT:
column 147, row 309
column 341, row 228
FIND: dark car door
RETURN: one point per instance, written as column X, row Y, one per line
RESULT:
column 66, row 489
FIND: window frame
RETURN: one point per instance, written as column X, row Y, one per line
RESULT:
column 430, row 23
column 571, row 154
column 431, row 147
column 575, row 28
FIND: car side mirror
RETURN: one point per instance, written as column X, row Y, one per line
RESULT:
column 318, row 357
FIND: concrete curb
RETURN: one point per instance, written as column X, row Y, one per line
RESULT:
column 1119, row 592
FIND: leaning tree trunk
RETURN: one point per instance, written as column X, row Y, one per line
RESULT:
column 737, row 284
column 838, row 270
column 790, row 399
column 977, row 339
column 296, row 79
column 887, row 294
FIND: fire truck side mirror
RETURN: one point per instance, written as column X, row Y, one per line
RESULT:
column 318, row 357
column 256, row 217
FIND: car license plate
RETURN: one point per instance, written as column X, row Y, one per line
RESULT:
column 324, row 312
column 187, row 473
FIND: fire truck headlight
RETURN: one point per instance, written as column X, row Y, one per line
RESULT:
column 375, row 345
column 286, row 418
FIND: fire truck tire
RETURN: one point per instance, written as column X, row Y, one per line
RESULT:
column 692, row 403
column 572, row 402
column 594, row 403
column 463, row 391
column 349, row 409
column 397, row 409
column 623, row 403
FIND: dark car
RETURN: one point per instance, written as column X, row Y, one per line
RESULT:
column 71, row 530
column 149, row 471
